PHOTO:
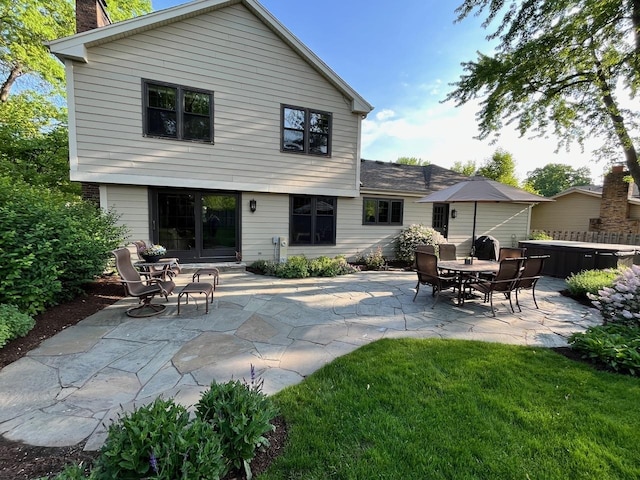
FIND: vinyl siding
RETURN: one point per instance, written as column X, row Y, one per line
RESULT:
column 132, row 205
column 352, row 237
column 570, row 212
column 251, row 72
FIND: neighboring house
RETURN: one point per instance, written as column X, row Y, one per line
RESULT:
column 612, row 207
column 211, row 129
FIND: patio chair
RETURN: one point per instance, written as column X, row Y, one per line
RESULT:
column 503, row 282
column 447, row 251
column 155, row 272
column 423, row 248
column 528, row 279
column 508, row 252
column 144, row 290
column 428, row 274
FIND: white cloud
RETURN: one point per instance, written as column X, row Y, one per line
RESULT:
column 385, row 114
column 444, row 134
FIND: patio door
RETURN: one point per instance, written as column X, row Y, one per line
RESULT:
column 440, row 218
column 196, row 225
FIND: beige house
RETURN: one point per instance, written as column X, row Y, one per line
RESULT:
column 211, row 129
column 612, row 207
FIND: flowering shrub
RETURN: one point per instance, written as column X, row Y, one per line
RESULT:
column 153, row 251
column 620, row 304
column 411, row 237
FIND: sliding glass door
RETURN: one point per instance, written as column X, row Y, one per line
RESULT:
column 196, row 225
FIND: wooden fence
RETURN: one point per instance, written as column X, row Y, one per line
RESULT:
column 597, row 237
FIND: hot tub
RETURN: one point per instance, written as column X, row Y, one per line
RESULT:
column 566, row 257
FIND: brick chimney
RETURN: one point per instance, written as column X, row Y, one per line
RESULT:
column 614, row 206
column 91, row 14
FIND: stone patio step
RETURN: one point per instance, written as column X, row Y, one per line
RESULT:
column 190, row 268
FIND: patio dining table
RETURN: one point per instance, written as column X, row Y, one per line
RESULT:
column 161, row 268
column 465, row 271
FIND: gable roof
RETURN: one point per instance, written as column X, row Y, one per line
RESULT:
column 76, row 46
column 387, row 177
column 596, row 191
column 591, row 190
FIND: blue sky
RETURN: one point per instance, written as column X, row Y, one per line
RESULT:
column 401, row 57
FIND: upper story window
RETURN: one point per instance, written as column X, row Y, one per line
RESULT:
column 306, row 131
column 382, row 211
column 173, row 111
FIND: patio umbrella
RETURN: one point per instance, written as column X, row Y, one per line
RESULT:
column 481, row 189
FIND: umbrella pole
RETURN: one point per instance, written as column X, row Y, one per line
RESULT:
column 473, row 232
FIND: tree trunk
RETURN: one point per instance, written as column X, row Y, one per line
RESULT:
column 626, row 142
column 15, row 72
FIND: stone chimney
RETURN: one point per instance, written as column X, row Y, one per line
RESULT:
column 614, row 206
column 91, row 14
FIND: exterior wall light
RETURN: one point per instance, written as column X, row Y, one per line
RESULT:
column 454, row 213
column 253, row 205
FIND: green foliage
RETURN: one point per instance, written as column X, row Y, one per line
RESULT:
column 296, row 266
column 539, row 235
column 412, row 161
column 241, row 414
column 28, row 24
column 555, row 177
column 13, row 323
column 50, row 245
column 501, row 168
column 372, row 260
column 587, row 282
column 468, row 168
column 160, row 441
column 548, row 54
column 317, row 267
column 616, row 346
column 412, row 236
column 620, row 302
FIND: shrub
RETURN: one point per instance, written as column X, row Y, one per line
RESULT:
column 620, row 302
column 159, row 441
column 296, row 266
column 301, row 267
column 412, row 236
column 616, row 346
column 241, row 414
column 70, row 472
column 372, row 260
column 50, row 245
column 322, row 267
column 590, row 281
column 539, row 235
column 13, row 323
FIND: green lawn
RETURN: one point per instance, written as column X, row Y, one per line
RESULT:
column 451, row 409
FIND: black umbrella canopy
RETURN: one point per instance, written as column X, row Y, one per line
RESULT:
column 481, row 189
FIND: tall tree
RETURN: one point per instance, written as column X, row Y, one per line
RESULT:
column 568, row 67
column 412, row 161
column 24, row 27
column 501, row 168
column 468, row 168
column 555, row 177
